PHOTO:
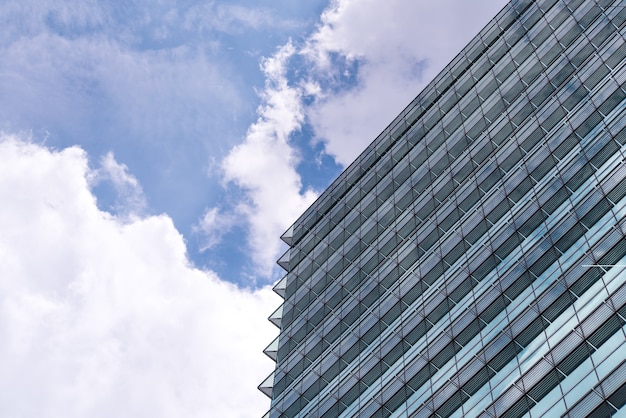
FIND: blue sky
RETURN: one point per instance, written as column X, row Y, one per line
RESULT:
column 152, row 154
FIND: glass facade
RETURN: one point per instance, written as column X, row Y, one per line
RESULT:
column 472, row 261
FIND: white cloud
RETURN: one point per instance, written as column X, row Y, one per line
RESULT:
column 400, row 46
column 264, row 165
column 105, row 318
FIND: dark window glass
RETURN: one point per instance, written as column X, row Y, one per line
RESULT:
column 575, row 98
column 531, row 224
column 498, row 211
column 518, row 286
column 596, row 213
column 491, row 179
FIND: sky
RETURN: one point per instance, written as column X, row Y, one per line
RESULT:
column 151, row 154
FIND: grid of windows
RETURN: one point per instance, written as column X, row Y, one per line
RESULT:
column 472, row 261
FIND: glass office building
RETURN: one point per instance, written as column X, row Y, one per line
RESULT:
column 472, row 261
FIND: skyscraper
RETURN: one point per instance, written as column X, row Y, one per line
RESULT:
column 472, row 261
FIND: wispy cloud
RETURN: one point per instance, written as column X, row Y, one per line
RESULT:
column 22, row 18
column 130, row 200
column 212, row 226
column 68, row 82
column 233, row 18
column 102, row 318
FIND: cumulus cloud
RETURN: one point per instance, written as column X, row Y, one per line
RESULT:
column 105, row 318
column 264, row 165
column 399, row 46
